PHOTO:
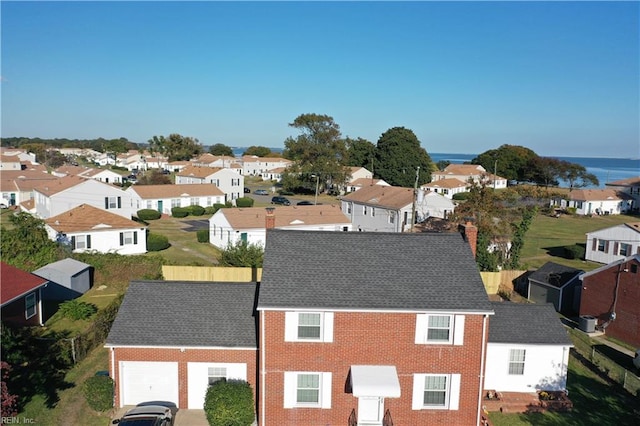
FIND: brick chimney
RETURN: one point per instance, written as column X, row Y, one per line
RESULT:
column 470, row 234
column 270, row 218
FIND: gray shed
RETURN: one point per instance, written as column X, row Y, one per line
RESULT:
column 557, row 284
column 73, row 278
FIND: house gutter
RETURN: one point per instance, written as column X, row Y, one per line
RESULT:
column 263, row 372
column 484, row 346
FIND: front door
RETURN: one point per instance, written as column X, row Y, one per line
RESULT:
column 370, row 410
column 160, row 206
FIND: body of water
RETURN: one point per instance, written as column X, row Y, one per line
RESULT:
column 605, row 169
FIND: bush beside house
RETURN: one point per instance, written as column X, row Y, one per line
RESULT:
column 148, row 214
column 98, row 391
column 229, row 403
column 157, row 242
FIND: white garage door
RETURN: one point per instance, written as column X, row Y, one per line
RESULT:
column 148, row 381
column 199, row 374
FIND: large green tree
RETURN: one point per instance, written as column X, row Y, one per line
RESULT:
column 511, row 162
column 576, row 176
column 360, row 153
column 259, row 151
column 318, row 152
column 398, row 156
column 221, row 149
column 27, row 245
column 176, row 147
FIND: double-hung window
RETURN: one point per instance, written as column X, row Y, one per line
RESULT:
column 625, row 249
column 308, row 327
column 602, row 245
column 30, row 305
column 436, row 391
column 128, row 238
column 444, row 329
column 112, row 203
column 307, row 389
column 216, row 374
column 516, row 361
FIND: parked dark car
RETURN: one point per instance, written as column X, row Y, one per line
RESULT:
column 261, row 192
column 247, row 190
column 280, row 200
column 304, row 203
column 147, row 415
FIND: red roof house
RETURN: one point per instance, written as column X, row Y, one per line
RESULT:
column 21, row 296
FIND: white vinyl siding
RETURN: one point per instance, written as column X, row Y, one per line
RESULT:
column 439, row 329
column 308, row 327
column 308, row 389
column 436, row 392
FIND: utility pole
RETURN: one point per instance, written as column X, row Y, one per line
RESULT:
column 415, row 196
column 495, row 174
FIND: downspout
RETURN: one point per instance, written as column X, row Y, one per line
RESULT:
column 113, row 371
column 481, row 386
column 263, row 372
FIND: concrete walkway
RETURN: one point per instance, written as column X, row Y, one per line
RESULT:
column 604, row 341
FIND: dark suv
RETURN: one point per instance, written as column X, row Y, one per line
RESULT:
column 280, row 200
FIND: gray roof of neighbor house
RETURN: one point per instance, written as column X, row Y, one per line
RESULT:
column 554, row 274
column 370, row 271
column 527, row 324
column 181, row 313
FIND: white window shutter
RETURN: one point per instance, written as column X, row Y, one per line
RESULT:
column 454, row 392
column 290, row 389
column 328, row 327
column 290, row 326
column 326, row 390
column 421, row 328
column 418, row 392
column 458, row 330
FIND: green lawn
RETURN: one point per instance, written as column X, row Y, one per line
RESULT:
column 596, row 402
column 547, row 236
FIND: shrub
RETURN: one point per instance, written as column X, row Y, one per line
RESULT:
column 157, row 242
column 244, row 202
column 571, row 210
column 218, row 206
column 203, row 235
column 285, row 192
column 148, row 214
column 195, row 210
column 77, row 310
column 229, row 403
column 179, row 212
column 575, row 251
column 98, row 391
column 461, row 196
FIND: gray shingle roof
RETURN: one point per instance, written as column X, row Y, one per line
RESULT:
column 175, row 313
column 370, row 271
column 554, row 274
column 526, row 324
column 66, row 266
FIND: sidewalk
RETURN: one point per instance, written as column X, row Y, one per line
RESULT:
column 603, row 340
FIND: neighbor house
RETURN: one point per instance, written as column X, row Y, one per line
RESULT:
column 55, row 197
column 86, row 228
column 351, row 328
column 360, row 183
column 611, row 294
column 165, row 197
column 261, row 166
column 614, row 243
column 21, row 296
column 446, row 187
column 17, row 187
column 595, row 201
column 528, row 349
column 229, row 226
column 467, row 172
column 556, row 284
column 630, row 186
column 390, row 208
column 171, row 340
column 230, row 182
column 10, row 162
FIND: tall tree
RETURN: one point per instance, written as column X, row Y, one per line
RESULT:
column 221, row 149
column 28, row 243
column 318, row 151
column 361, row 153
column 176, row 147
column 511, row 162
column 398, row 156
column 576, row 176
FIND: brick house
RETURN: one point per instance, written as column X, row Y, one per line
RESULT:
column 371, row 328
column 611, row 293
column 172, row 339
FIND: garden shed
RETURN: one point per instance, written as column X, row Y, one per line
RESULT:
column 557, row 284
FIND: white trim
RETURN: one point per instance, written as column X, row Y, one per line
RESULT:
column 182, row 347
column 291, row 388
column 481, row 376
column 452, row 392
column 263, row 371
column 458, row 330
column 292, row 318
column 378, row 311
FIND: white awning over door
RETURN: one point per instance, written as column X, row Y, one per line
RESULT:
column 375, row 380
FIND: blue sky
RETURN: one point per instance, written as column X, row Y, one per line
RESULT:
column 561, row 78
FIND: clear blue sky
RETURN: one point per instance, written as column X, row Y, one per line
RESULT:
column 561, row 78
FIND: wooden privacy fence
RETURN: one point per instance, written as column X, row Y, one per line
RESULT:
column 500, row 281
column 493, row 281
column 211, row 273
